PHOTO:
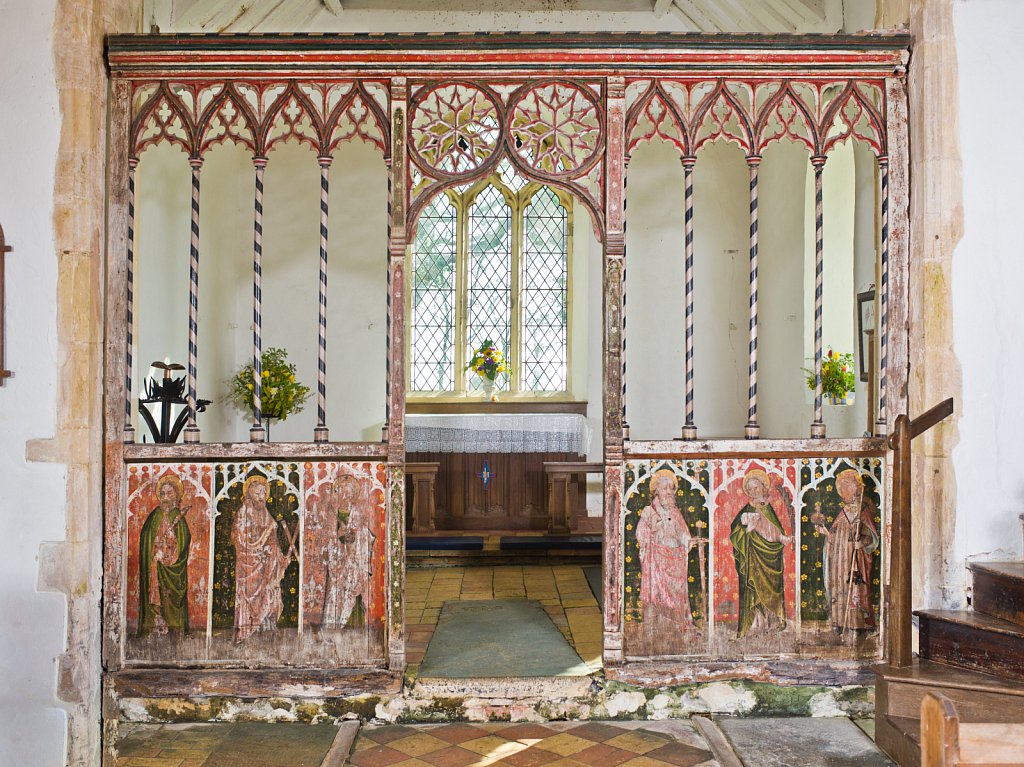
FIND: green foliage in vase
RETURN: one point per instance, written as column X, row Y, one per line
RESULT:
column 281, row 394
column 837, row 378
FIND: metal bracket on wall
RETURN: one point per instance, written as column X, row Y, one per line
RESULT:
column 4, row 248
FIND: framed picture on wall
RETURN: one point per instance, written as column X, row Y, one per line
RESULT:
column 865, row 328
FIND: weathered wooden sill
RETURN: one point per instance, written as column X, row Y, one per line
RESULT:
column 254, row 683
column 214, row 451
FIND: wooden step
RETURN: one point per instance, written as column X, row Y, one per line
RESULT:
column 899, row 691
column 978, row 697
column 999, row 590
column 972, row 640
column 900, row 738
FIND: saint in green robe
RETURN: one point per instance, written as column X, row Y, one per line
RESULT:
column 163, row 553
column 758, row 548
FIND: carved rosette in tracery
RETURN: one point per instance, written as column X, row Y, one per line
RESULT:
column 555, row 129
column 551, row 131
column 455, row 130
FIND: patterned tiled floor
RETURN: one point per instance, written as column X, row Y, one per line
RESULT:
column 552, row 744
column 562, row 590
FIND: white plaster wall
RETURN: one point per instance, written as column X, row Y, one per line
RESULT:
column 357, row 280
column 32, row 725
column 782, row 405
column 988, row 271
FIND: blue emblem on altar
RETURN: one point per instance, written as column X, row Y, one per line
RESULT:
column 486, row 474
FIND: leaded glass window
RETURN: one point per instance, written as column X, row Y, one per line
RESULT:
column 433, row 300
column 491, row 262
column 545, row 294
column 489, row 288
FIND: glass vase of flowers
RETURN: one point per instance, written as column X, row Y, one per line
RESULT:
column 837, row 378
column 280, row 396
column 488, row 363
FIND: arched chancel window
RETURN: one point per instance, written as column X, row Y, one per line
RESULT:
column 491, row 262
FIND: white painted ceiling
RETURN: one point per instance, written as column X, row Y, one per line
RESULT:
column 752, row 16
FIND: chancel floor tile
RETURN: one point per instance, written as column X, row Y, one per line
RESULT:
column 552, row 744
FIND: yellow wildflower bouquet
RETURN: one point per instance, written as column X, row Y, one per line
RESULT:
column 281, row 394
column 488, row 362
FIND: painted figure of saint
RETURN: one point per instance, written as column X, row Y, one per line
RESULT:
column 849, row 544
column 758, row 543
column 163, row 562
column 348, row 557
column 664, row 541
column 259, row 562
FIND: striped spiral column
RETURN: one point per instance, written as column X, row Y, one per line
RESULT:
column 818, row 426
column 881, row 427
column 689, row 429
column 257, row 433
column 129, row 428
column 387, row 327
column 320, row 433
column 752, row 430
column 191, row 430
column 625, row 179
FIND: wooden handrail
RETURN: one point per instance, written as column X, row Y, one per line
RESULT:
column 900, row 604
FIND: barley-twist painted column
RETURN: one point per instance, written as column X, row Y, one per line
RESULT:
column 257, row 433
column 625, row 180
column 818, row 426
column 129, row 428
column 883, row 315
column 752, row 430
column 689, row 429
column 320, row 433
column 192, row 430
column 387, row 326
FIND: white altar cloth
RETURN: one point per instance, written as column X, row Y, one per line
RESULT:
column 498, row 433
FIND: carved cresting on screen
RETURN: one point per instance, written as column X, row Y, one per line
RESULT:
column 565, row 111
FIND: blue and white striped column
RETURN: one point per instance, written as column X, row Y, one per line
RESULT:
column 818, row 425
column 257, row 433
column 689, row 428
column 129, row 428
column 320, row 433
column 752, row 430
column 192, row 430
column 881, row 427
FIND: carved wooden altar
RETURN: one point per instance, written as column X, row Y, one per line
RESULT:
column 567, row 111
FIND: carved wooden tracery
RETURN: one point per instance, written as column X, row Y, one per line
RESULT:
column 259, row 114
column 552, row 131
column 567, row 111
column 753, row 114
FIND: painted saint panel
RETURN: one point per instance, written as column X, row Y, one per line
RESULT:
column 168, row 528
column 840, row 536
column 261, row 562
column 343, row 573
column 257, row 550
column 793, row 565
column 666, row 557
column 755, row 590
